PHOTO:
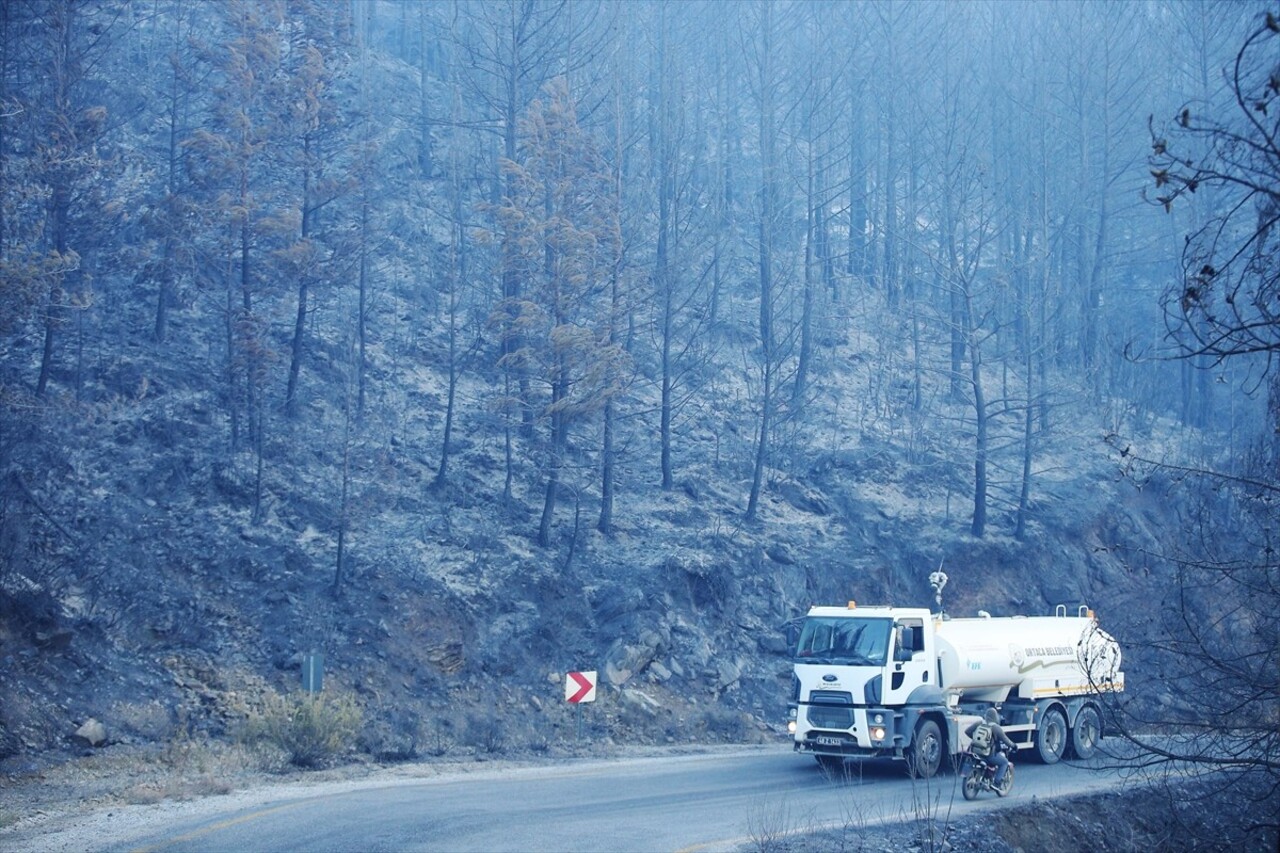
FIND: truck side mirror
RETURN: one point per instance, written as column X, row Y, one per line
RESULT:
column 792, row 630
column 905, row 648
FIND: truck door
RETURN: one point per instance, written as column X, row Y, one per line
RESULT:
column 909, row 667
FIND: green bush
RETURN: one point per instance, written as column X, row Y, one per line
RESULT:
column 309, row 730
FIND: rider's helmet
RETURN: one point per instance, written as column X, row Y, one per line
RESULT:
column 992, row 716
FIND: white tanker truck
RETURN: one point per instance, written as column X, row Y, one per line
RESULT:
column 905, row 683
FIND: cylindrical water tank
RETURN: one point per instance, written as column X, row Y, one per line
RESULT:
column 985, row 658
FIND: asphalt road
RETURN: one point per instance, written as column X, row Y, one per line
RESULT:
column 700, row 802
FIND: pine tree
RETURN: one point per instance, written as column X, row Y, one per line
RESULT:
column 563, row 218
column 228, row 164
column 65, row 129
column 315, row 128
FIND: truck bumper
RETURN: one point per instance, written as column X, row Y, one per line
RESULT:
column 827, row 744
column 873, row 733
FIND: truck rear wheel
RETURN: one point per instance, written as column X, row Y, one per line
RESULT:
column 926, row 750
column 1051, row 739
column 1086, row 733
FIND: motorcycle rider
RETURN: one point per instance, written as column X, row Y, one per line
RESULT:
column 999, row 742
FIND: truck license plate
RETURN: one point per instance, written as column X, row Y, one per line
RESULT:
column 830, row 741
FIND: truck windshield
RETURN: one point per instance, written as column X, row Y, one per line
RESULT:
column 844, row 640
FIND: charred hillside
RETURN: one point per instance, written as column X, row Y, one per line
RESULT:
column 158, row 601
column 320, row 337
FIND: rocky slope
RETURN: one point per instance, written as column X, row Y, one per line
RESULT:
column 166, row 606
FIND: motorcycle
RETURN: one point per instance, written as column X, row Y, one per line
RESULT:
column 980, row 775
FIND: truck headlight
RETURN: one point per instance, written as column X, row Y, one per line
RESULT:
column 791, row 727
column 877, row 733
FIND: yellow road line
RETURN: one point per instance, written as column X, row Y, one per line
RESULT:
column 220, row 825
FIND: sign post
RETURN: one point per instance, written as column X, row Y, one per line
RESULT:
column 312, row 673
column 579, row 687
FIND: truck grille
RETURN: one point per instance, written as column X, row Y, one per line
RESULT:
column 830, row 709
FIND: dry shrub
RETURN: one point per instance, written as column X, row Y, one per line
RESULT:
column 146, row 720
column 486, row 733
column 309, row 730
column 144, row 795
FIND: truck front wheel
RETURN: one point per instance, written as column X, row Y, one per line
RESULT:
column 926, row 750
column 1051, row 739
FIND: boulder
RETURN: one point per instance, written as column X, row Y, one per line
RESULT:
column 92, row 732
column 727, row 673
column 54, row 640
column 640, row 700
column 803, row 499
column 773, row 643
column 780, row 553
column 630, row 655
column 658, row 672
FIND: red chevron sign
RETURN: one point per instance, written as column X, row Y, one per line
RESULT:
column 580, row 687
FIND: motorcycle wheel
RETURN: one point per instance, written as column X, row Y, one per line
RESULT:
column 1006, row 784
column 972, row 785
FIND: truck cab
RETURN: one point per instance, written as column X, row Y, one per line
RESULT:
column 862, row 678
